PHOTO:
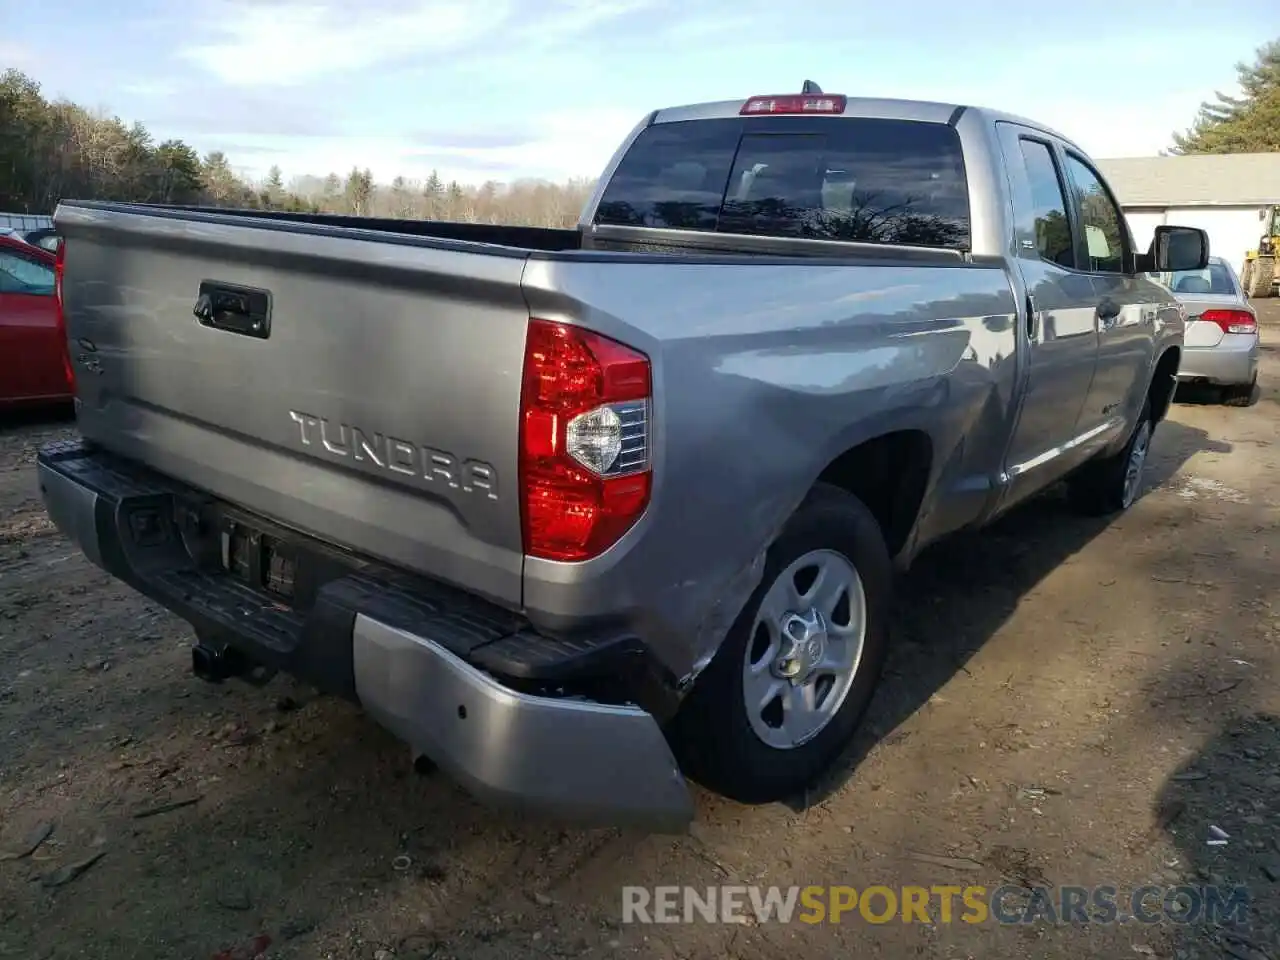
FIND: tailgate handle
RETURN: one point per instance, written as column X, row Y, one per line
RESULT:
column 236, row 309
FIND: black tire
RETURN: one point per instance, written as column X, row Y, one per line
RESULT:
column 712, row 734
column 1099, row 488
column 1241, row 394
column 1262, row 278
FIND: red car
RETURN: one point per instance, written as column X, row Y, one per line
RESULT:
column 34, row 362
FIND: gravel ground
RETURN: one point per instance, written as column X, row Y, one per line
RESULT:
column 1068, row 702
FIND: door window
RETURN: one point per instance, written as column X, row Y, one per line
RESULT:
column 1048, row 204
column 1099, row 219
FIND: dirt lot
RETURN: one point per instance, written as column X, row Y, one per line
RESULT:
column 1068, row 702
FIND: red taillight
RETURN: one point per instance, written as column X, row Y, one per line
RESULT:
column 585, row 466
column 1232, row 321
column 795, row 103
column 59, row 267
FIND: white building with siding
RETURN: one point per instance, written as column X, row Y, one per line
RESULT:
column 1222, row 194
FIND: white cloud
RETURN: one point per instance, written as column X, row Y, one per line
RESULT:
column 292, row 42
column 575, row 16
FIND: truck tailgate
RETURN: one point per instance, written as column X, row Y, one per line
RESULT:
column 376, row 406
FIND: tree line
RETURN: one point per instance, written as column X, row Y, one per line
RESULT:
column 50, row 149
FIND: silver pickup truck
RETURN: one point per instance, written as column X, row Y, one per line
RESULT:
column 578, row 514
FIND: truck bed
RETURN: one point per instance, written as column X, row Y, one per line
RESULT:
column 527, row 238
column 598, row 242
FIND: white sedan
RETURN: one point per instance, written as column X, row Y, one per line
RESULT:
column 1221, row 347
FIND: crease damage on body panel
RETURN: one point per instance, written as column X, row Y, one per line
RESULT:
column 715, row 625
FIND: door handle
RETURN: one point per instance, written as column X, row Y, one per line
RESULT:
column 1108, row 312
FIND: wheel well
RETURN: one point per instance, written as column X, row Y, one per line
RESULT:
column 1163, row 382
column 889, row 475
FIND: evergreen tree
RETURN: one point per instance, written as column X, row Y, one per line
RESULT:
column 401, row 201
column 433, row 194
column 331, row 188
column 1249, row 123
column 179, row 168
column 219, row 179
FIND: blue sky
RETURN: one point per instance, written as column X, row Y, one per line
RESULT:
column 499, row 89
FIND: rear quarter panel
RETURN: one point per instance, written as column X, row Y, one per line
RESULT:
column 763, row 374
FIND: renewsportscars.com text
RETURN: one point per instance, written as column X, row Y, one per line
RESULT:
column 972, row 904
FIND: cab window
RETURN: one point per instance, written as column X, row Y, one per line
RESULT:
column 854, row 179
column 1048, row 203
column 1100, row 221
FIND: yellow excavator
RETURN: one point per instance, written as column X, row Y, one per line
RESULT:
column 1259, row 276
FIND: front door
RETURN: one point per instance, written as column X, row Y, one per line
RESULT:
column 1127, row 303
column 1061, row 338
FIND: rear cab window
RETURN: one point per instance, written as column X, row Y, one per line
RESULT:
column 850, row 179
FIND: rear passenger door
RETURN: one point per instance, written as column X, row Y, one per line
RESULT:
column 1127, row 302
column 1060, row 335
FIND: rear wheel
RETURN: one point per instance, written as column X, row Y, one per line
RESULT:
column 1112, row 485
column 785, row 692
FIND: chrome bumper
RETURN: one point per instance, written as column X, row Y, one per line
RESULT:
column 591, row 762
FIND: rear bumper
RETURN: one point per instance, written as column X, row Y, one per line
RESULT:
column 577, row 758
column 1234, row 360
column 419, row 658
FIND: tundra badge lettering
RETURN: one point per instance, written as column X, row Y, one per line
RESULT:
column 345, row 441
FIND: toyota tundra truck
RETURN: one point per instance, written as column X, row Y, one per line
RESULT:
column 586, row 515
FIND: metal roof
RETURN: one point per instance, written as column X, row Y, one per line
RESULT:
column 1207, row 179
